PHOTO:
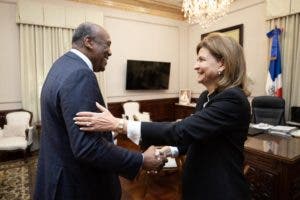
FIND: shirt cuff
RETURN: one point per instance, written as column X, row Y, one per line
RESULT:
column 174, row 151
column 134, row 131
column 114, row 134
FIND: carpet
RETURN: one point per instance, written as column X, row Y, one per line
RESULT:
column 16, row 179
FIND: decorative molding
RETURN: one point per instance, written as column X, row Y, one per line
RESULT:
column 9, row 1
column 158, row 8
column 48, row 13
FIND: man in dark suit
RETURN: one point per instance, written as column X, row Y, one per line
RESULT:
column 74, row 165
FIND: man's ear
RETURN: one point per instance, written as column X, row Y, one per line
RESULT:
column 87, row 42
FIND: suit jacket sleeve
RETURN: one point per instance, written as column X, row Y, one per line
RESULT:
column 79, row 93
column 182, row 149
column 224, row 112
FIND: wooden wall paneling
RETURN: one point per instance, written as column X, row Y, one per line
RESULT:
column 116, row 108
column 159, row 109
column 181, row 111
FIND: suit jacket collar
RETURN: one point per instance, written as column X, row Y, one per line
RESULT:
column 83, row 57
column 205, row 98
column 76, row 57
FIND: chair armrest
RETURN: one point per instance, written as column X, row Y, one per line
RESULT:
column 145, row 116
column 29, row 134
column 291, row 123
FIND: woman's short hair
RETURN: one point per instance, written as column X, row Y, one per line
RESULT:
column 230, row 52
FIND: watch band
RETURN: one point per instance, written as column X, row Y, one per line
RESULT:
column 120, row 126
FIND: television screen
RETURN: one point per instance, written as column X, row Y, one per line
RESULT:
column 147, row 75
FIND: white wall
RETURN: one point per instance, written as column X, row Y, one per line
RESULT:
column 145, row 37
column 252, row 15
column 10, row 88
column 134, row 36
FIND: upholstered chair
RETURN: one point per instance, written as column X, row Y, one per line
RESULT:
column 17, row 133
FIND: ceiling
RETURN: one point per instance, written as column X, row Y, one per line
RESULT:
column 164, row 8
column 172, row 2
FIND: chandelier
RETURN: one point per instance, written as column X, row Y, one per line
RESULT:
column 205, row 12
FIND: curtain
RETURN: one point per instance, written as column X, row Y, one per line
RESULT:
column 40, row 46
column 290, row 58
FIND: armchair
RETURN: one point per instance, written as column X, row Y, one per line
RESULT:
column 17, row 132
column 132, row 112
column 268, row 109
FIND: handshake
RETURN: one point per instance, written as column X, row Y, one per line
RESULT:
column 155, row 158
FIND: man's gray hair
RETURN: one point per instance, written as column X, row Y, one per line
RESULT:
column 84, row 29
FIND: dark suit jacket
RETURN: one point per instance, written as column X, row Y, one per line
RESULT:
column 73, row 164
column 215, row 137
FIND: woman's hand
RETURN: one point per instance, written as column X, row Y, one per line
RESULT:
column 92, row 121
column 165, row 151
column 169, row 151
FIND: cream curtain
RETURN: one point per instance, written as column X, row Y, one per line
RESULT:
column 40, row 46
column 290, row 58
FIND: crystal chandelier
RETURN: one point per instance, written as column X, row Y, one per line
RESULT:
column 205, row 12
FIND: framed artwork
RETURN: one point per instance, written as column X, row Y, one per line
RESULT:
column 235, row 32
column 185, row 97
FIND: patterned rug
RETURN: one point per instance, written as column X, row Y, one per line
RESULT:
column 16, row 179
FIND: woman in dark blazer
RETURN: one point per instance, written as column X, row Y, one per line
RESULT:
column 213, row 137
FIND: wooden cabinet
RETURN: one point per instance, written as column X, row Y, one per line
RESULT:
column 183, row 111
column 274, row 167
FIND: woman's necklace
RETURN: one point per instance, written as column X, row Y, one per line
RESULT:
column 204, row 105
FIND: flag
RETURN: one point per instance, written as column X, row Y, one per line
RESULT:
column 274, row 79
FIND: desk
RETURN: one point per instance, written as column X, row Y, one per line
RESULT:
column 274, row 166
column 183, row 111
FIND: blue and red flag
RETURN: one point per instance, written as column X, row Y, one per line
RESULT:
column 274, row 79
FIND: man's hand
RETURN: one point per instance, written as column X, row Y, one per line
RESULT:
column 153, row 160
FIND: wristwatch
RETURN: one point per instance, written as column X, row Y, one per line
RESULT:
column 120, row 126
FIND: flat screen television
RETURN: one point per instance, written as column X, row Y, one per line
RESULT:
column 147, row 75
